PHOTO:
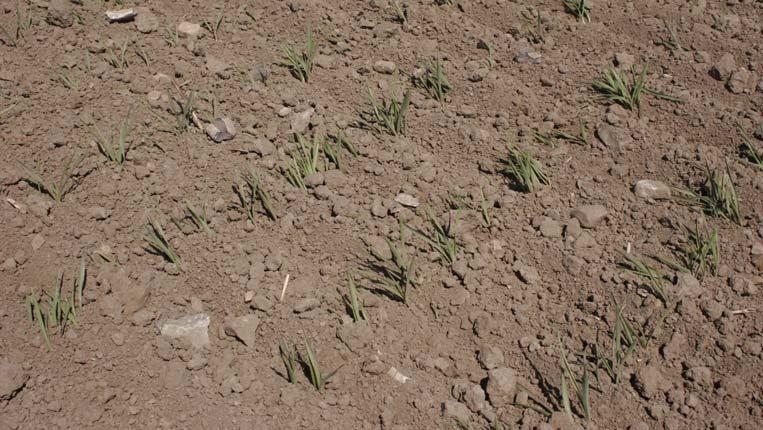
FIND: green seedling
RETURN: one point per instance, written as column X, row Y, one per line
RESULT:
column 579, row 139
column 116, row 152
column 458, row 202
column 401, row 11
column 171, row 36
column 333, row 154
column 388, row 115
column 353, row 303
column 442, row 239
column 289, row 357
column 748, row 150
column 199, row 217
column 118, row 60
column 68, row 81
column 699, row 252
column 625, row 340
column 213, row 26
column 524, row 170
column 158, row 244
column 484, row 44
column 432, row 80
column 249, row 190
column 300, row 63
column 23, row 24
column 143, row 55
column 310, row 362
column 580, row 8
column 718, row 197
column 536, row 403
column 343, row 141
column 304, row 160
column 533, row 25
column 59, row 309
column 617, row 88
column 656, row 282
column 55, row 188
column 395, row 275
column 581, row 387
column 546, row 139
column 671, row 42
column 185, row 111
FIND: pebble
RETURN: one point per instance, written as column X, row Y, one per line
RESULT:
column 13, row 378
column 651, row 189
column 457, row 411
column 301, row 120
column 37, row 241
column 385, row 67
column 490, row 357
column 624, row 61
column 756, row 255
column 501, row 386
column 649, row 381
column 221, row 129
column 589, row 215
column 188, row 29
column 122, row 15
column 723, row 68
column 614, row 138
column 306, row 304
column 550, row 228
column 146, row 22
column 742, row 81
column 192, row 328
column 527, row 274
column 407, row 200
column 527, row 55
column 243, row 328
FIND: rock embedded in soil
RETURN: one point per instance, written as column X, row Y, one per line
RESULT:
column 121, row 15
column 407, row 200
column 723, row 68
column 742, row 81
column 756, row 256
column 188, row 29
column 193, row 329
column 624, row 60
column 550, row 228
column 527, row 55
column 221, row 129
column 589, row 215
column 615, row 138
column 244, row 328
column 146, row 22
column 13, row 378
column 470, row 394
column 649, row 382
column 501, row 386
column 527, row 274
column 301, row 120
column 306, row 304
column 651, row 189
column 490, row 357
column 59, row 14
column 385, row 67
column 456, row 411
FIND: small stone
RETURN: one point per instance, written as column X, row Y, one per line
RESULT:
column 193, row 329
column 550, row 228
column 118, row 338
column 614, row 138
column 756, row 255
column 244, row 328
column 385, row 67
column 650, row 189
column 315, row 180
column 379, row 209
column 589, row 215
column 624, row 61
column 142, row 318
column 501, row 386
column 122, row 15
column 146, row 22
column 676, row 347
column 300, row 121
column 470, row 394
column 455, row 410
column 324, row 61
column 263, row 147
column 527, row 55
column 9, row 264
column 527, row 274
column 648, row 381
column 188, row 29
column 13, row 378
column 742, row 81
column 37, row 242
column 218, row 67
column 261, row 303
column 196, row 362
column 490, row 357
column 59, row 14
column 306, row 304
column 221, row 129
column 723, row 68
column 712, row 309
column 407, row 200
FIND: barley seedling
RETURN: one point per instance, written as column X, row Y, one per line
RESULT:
column 143, row 55
column 249, row 190
column 214, row 25
column 114, row 152
column 59, row 309
column 199, row 217
column 300, row 63
column 718, row 197
column 580, row 8
column 158, row 244
column 394, row 276
column 55, row 188
column 579, row 139
column 484, row 44
column 118, row 60
column 343, row 141
column 388, row 115
column 656, row 281
column 581, row 387
column 401, row 12
column 304, row 160
column 185, row 111
column 23, row 24
column 352, row 301
column 536, row 403
column 458, row 202
column 748, row 150
column 671, row 42
column 68, row 81
column 310, row 362
column 333, row 154
column 432, row 80
column 171, row 36
column 289, row 357
column 625, row 340
column 77, row 17
column 699, row 252
column 546, row 139
column 524, row 170
column 534, row 25
column 442, row 239
column 617, row 88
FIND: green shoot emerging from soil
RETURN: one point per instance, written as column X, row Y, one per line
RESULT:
column 313, row 367
column 394, row 275
column 199, row 217
column 656, row 281
column 625, row 340
column 432, row 80
column 59, row 309
column 69, row 82
column 249, row 190
column 718, row 197
column 353, row 303
column 304, row 160
column 55, row 188
column 213, row 26
column 524, row 170
column 580, row 8
column 748, row 150
column 118, row 60
column 23, row 24
column 388, row 115
column 442, row 239
column 580, row 385
column 401, row 11
column 699, row 253
column 114, row 152
column 158, row 243
column 300, row 63
column 617, row 88
column 289, row 357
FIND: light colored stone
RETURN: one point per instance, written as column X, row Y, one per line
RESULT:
column 301, row 120
column 221, row 129
column 385, row 67
column 407, row 200
column 650, row 189
column 589, row 215
column 188, row 29
column 122, row 15
column 244, row 328
column 193, row 329
column 12, row 379
column 501, row 386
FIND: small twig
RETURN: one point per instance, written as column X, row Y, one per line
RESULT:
column 742, row 311
column 196, row 120
column 283, row 290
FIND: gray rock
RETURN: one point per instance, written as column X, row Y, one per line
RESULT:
column 407, row 200
column 315, row 180
column 261, row 303
column 723, row 68
column 650, row 189
column 501, row 386
column 192, row 329
column 490, row 357
column 263, row 147
column 469, row 394
column 624, row 61
column 550, row 228
column 221, row 129
column 300, row 121
column 614, row 138
column 385, row 67
column 527, row 55
column 457, row 411
column 589, row 215
column 188, row 29
column 146, row 22
column 244, row 328
column 306, row 304
column 121, row 15
column 12, row 379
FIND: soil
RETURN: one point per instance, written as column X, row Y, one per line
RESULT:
column 537, row 277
